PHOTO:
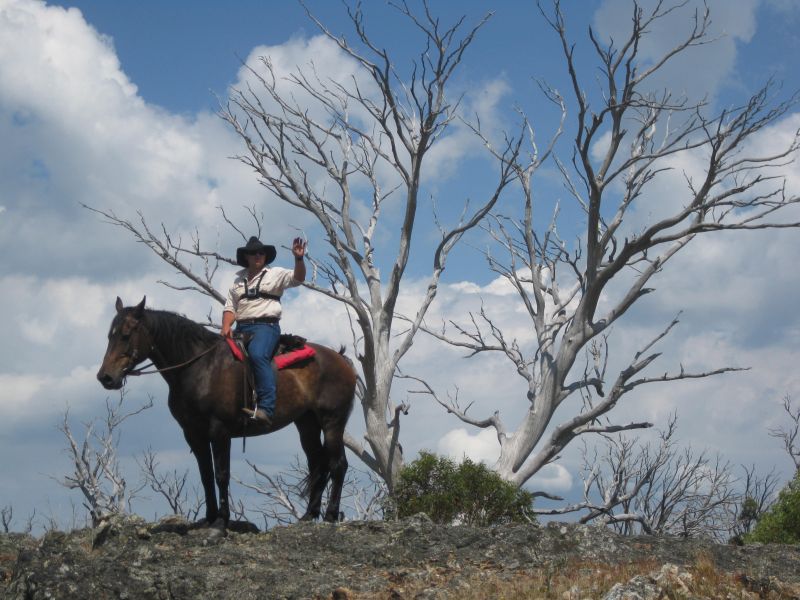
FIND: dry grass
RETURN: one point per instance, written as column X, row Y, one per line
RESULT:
column 578, row 580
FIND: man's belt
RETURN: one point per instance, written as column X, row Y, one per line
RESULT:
column 257, row 320
column 260, row 295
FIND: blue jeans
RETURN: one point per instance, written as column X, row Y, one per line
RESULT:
column 261, row 349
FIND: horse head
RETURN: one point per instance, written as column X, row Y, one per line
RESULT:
column 129, row 343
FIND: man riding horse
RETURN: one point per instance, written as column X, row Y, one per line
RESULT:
column 254, row 303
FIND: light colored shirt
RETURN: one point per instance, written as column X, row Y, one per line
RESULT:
column 274, row 281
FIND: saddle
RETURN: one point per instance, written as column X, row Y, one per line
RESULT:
column 291, row 350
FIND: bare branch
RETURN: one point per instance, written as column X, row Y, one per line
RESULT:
column 171, row 486
column 171, row 251
column 789, row 434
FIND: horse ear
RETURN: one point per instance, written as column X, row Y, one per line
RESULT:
column 119, row 305
column 138, row 311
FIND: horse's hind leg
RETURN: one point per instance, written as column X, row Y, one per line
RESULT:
column 310, row 431
column 337, row 467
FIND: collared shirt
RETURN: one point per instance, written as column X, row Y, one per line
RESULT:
column 274, row 281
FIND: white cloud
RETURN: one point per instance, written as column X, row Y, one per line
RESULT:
column 68, row 53
column 479, row 447
column 27, row 398
column 698, row 72
column 553, row 478
column 483, row 446
column 445, row 158
column 600, row 147
column 76, row 131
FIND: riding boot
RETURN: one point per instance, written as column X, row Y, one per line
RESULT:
column 259, row 414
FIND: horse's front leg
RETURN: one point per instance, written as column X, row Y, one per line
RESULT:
column 221, row 449
column 201, row 449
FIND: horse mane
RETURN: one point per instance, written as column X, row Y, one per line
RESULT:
column 182, row 332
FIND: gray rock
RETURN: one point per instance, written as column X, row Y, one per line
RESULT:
column 405, row 559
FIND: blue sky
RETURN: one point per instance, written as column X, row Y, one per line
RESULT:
column 198, row 45
column 184, row 38
column 113, row 106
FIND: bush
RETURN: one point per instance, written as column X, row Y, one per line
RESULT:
column 468, row 493
column 781, row 523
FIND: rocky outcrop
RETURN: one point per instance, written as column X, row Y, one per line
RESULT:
column 414, row 558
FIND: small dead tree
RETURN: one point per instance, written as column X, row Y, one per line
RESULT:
column 789, row 433
column 756, row 496
column 364, row 496
column 661, row 489
column 284, row 494
column 627, row 138
column 96, row 469
column 6, row 517
column 171, row 486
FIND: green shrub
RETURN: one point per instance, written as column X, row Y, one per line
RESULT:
column 781, row 523
column 468, row 493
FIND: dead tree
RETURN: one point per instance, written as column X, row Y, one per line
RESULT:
column 626, row 139
column 345, row 152
column 96, row 469
column 372, row 131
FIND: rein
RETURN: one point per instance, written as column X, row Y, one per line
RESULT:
column 143, row 370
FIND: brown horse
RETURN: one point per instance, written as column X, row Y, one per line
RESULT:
column 206, row 389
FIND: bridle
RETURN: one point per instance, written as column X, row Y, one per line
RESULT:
column 148, row 368
column 143, row 370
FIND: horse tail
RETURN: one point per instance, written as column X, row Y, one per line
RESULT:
column 316, row 477
column 342, row 351
column 359, row 391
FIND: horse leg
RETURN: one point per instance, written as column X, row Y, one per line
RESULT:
column 337, row 468
column 202, row 452
column 309, row 431
column 221, row 449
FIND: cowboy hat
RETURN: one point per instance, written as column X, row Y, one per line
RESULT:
column 254, row 245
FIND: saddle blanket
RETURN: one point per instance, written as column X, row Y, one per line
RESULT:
column 281, row 360
column 285, row 360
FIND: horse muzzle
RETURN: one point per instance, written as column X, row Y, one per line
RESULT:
column 108, row 381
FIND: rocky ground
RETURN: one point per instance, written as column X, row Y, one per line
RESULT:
column 412, row 558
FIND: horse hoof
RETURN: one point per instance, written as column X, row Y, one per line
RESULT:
column 202, row 524
column 216, row 530
column 309, row 517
